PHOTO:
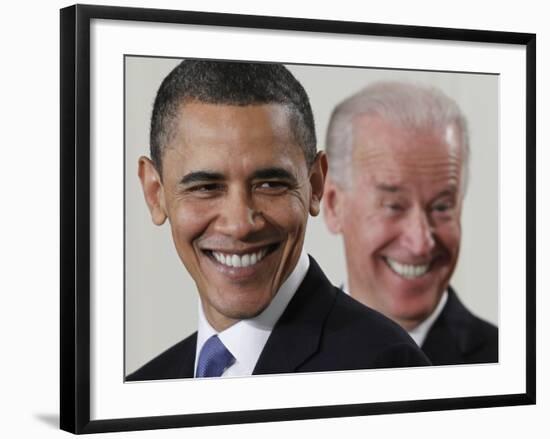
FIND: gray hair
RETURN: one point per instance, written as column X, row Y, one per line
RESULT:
column 403, row 105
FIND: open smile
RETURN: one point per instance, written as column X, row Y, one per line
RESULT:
column 241, row 259
column 407, row 271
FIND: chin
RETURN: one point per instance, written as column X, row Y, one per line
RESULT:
column 418, row 311
column 243, row 312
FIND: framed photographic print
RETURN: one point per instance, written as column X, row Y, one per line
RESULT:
column 126, row 297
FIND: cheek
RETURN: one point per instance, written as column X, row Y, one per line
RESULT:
column 365, row 231
column 287, row 213
column 188, row 221
column 449, row 236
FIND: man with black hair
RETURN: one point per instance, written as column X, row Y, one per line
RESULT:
column 234, row 169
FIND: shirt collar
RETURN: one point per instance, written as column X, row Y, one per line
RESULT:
column 419, row 333
column 247, row 338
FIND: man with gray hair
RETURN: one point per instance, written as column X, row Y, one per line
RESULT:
column 398, row 166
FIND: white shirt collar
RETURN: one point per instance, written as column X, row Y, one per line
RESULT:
column 419, row 333
column 246, row 339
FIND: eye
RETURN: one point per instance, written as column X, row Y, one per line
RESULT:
column 442, row 206
column 394, row 207
column 206, row 189
column 272, row 186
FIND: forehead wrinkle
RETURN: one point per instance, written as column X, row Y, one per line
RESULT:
column 228, row 132
column 232, row 125
column 235, row 141
column 403, row 176
column 391, row 179
column 377, row 159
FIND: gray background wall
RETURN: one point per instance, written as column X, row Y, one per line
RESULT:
column 161, row 299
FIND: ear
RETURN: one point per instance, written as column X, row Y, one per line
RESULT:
column 153, row 190
column 333, row 206
column 317, row 175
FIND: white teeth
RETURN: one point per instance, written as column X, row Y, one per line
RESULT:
column 235, row 261
column 406, row 270
column 240, row 260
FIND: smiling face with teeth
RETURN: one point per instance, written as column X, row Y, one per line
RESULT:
column 400, row 218
column 237, row 192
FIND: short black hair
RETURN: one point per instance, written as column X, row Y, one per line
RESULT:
column 230, row 83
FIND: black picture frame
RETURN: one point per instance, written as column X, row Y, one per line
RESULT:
column 76, row 213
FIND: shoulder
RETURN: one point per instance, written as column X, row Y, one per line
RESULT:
column 323, row 329
column 475, row 339
column 480, row 342
column 466, row 322
column 373, row 328
column 175, row 362
column 359, row 337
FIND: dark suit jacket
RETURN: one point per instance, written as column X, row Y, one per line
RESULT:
column 459, row 337
column 322, row 329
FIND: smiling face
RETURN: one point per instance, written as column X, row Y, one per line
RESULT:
column 401, row 217
column 237, row 193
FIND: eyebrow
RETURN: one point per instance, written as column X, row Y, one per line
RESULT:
column 450, row 191
column 201, row 176
column 272, row 173
column 388, row 188
column 260, row 174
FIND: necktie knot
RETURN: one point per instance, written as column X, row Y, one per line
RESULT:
column 214, row 358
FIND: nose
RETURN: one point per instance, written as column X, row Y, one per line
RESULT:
column 418, row 234
column 238, row 217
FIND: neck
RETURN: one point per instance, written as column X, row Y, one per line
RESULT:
column 407, row 324
column 218, row 321
column 359, row 295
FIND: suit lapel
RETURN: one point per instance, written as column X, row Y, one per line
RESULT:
column 187, row 365
column 453, row 324
column 463, row 323
column 296, row 336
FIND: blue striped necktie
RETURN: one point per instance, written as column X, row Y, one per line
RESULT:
column 213, row 359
